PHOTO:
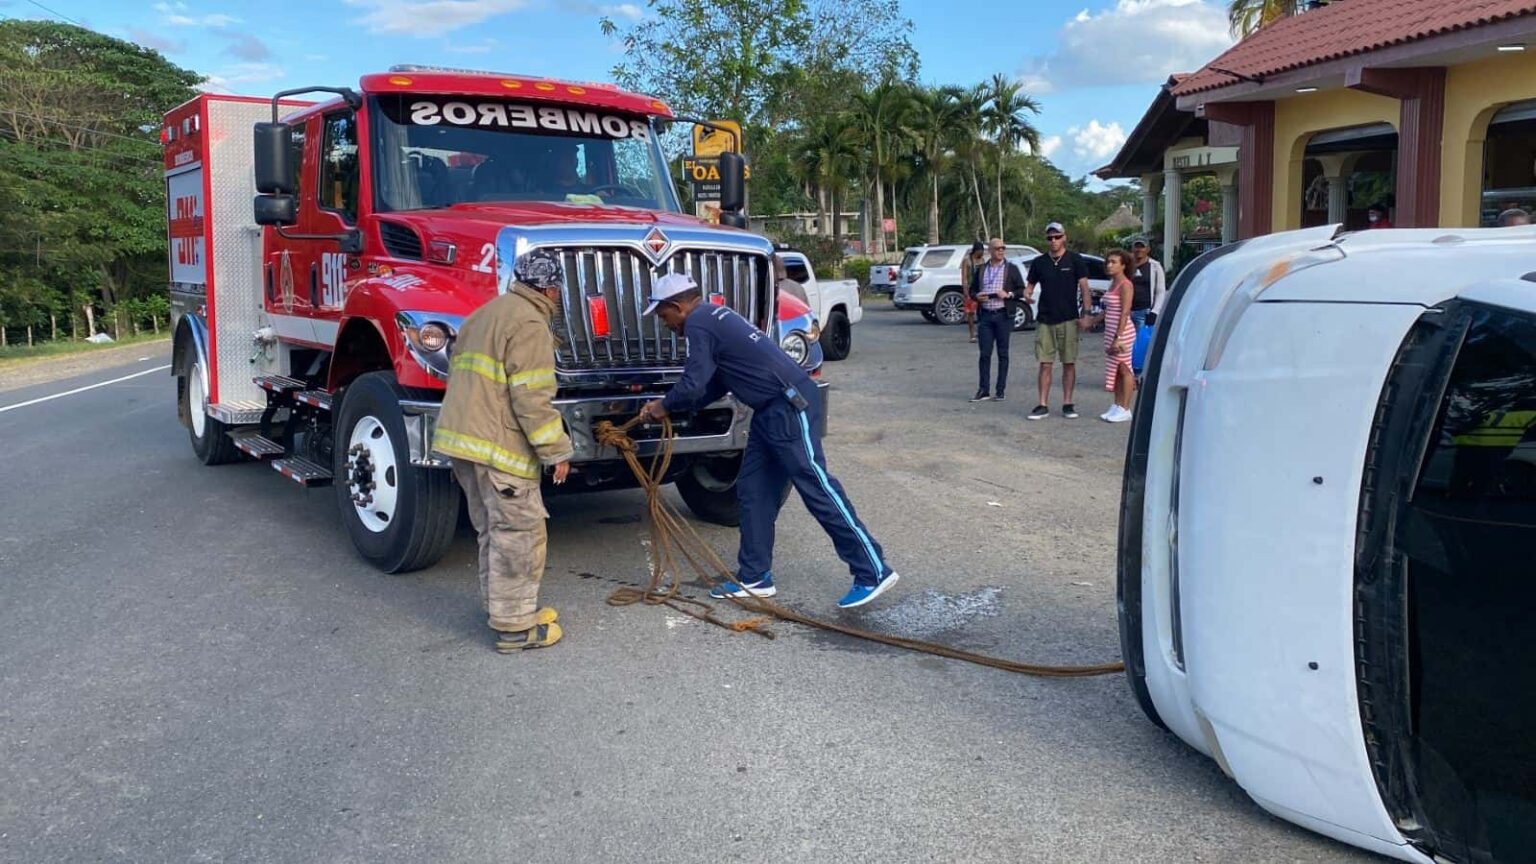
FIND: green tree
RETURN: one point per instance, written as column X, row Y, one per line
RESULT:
column 934, row 123
column 1005, row 119
column 1247, row 16
column 80, row 161
column 827, row 155
column 883, row 113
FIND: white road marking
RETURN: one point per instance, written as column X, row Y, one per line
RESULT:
column 83, row 389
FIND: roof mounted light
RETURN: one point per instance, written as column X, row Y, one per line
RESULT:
column 1511, row 49
column 1306, row 89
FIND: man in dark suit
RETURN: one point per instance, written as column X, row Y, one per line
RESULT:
column 996, row 287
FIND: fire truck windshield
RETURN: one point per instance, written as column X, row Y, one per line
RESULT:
column 436, row 151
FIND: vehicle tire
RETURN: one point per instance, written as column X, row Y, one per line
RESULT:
column 210, row 437
column 707, row 492
column 837, row 336
column 949, row 307
column 406, row 520
column 1023, row 317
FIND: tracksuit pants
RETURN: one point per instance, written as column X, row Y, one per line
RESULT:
column 993, row 329
column 783, row 449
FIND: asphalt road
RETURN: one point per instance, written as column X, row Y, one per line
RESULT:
column 196, row 667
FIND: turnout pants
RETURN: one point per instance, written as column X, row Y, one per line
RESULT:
column 993, row 329
column 508, row 514
column 783, row 449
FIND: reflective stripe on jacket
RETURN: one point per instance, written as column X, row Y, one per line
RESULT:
column 499, row 409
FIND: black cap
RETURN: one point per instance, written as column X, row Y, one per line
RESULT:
column 1139, row 241
column 978, row 246
column 539, row 269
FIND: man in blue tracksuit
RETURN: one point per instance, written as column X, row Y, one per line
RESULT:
column 727, row 354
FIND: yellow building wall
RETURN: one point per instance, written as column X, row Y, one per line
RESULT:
column 1474, row 92
column 1297, row 119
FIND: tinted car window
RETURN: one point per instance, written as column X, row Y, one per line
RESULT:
column 1471, row 595
column 1095, row 267
column 909, row 260
column 795, row 269
column 937, row 257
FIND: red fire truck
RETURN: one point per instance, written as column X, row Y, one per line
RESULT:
column 314, row 333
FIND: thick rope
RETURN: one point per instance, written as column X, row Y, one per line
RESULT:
column 673, row 537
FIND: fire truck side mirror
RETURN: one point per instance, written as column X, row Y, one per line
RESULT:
column 276, row 210
column 274, row 159
column 733, row 183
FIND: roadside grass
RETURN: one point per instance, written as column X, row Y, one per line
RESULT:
column 22, row 356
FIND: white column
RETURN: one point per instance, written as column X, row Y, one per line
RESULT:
column 1151, row 184
column 1336, row 170
column 1173, row 201
column 1227, row 177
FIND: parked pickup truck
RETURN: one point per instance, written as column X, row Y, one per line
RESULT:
column 882, row 278
column 834, row 303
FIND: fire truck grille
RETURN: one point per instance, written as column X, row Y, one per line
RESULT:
column 600, row 326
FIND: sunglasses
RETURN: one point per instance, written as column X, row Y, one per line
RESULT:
column 1055, row 236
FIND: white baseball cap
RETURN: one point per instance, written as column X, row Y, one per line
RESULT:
column 669, row 286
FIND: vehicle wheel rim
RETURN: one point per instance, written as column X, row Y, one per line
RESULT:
column 840, row 338
column 197, row 401
column 373, row 480
column 1020, row 319
column 951, row 309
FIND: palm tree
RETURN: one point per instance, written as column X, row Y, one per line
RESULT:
column 934, row 120
column 881, row 113
column 970, row 146
column 826, row 155
column 1009, row 127
column 1247, row 16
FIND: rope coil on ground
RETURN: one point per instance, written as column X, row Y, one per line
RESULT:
column 674, row 538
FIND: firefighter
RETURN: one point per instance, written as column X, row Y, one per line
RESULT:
column 727, row 354
column 500, row 427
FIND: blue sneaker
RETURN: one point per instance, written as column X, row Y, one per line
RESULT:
column 761, row 588
column 858, row 595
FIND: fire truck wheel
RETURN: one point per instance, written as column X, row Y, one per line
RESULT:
column 210, row 437
column 708, row 487
column 400, row 517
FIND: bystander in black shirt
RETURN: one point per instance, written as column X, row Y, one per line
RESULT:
column 1057, row 280
column 1141, row 281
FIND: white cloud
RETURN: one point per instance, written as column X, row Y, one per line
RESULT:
column 429, row 17
column 1049, row 145
column 631, row 11
column 178, row 14
column 230, row 79
column 1135, row 42
column 1097, row 141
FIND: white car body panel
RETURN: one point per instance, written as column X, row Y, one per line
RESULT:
column 824, row 295
column 1266, row 545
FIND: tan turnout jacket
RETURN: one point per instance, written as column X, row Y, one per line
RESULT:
column 499, row 410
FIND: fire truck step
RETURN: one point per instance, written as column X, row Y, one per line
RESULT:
column 256, row 445
column 303, row 471
column 280, row 383
column 316, row 398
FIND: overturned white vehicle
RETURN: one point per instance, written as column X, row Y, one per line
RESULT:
column 1327, row 574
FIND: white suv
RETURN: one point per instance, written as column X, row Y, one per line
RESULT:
column 929, row 280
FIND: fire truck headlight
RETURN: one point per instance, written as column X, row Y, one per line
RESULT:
column 433, row 336
column 796, row 347
column 429, row 336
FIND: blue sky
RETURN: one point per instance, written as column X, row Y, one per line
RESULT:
column 1093, row 64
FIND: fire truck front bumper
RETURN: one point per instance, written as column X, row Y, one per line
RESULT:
column 718, row 429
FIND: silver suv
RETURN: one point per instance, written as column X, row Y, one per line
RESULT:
column 929, row 280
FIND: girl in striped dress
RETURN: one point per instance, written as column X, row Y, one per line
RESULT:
column 1119, row 336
